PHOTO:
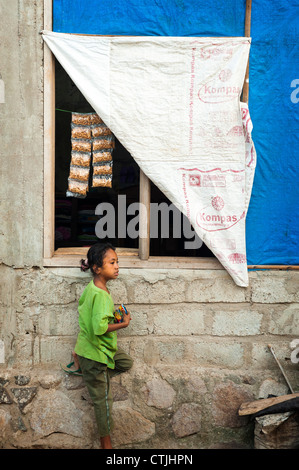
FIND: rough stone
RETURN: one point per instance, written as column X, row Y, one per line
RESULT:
column 159, row 393
column 4, row 396
column 187, row 420
column 228, row 398
column 3, row 381
column 271, row 387
column 22, row 379
column 24, row 395
column 119, row 392
column 18, row 424
column 5, row 419
column 54, row 412
column 130, row 426
column 50, row 380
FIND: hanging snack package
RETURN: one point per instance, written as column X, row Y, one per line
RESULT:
column 77, row 188
column 105, row 142
column 102, row 181
column 81, row 144
column 94, row 119
column 103, row 169
column 81, row 159
column 103, row 145
column 99, row 130
column 81, row 119
column 89, row 136
column 102, row 156
column 80, row 132
column 79, row 173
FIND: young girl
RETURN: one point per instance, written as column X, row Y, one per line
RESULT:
column 96, row 347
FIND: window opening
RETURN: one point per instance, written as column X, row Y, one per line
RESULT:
column 77, row 221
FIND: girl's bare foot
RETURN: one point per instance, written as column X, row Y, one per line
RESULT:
column 106, row 442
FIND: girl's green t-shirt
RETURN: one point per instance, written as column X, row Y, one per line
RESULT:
column 96, row 309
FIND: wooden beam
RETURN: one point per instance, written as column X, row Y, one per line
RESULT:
column 283, row 267
column 132, row 260
column 252, row 407
column 245, row 95
column 144, row 216
column 49, row 139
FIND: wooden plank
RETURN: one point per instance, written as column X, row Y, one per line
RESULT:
column 49, row 139
column 133, row 261
column 245, row 94
column 82, row 251
column 269, row 266
column 68, row 257
column 144, row 216
column 252, row 407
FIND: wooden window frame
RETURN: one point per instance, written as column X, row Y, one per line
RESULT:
column 68, row 257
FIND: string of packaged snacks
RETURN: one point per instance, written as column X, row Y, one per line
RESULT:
column 91, row 141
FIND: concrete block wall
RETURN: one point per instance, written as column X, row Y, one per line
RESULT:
column 199, row 345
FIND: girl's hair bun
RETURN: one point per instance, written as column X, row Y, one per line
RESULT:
column 95, row 256
column 84, row 265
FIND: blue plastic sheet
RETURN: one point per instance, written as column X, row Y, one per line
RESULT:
column 272, row 232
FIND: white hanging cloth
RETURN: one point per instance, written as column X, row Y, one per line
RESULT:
column 174, row 103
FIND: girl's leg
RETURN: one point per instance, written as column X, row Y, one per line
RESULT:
column 123, row 363
column 97, row 382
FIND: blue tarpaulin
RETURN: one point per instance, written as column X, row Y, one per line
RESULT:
column 272, row 221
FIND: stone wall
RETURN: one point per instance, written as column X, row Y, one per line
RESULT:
column 199, row 345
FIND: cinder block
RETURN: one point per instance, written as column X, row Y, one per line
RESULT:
column 285, row 320
column 56, row 350
column 58, row 320
column 214, row 286
column 275, row 287
column 240, row 321
column 160, row 292
column 215, row 353
column 180, row 319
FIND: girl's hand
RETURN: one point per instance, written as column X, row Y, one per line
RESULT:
column 126, row 320
column 123, row 324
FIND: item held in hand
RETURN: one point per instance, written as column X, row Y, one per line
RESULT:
column 119, row 313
